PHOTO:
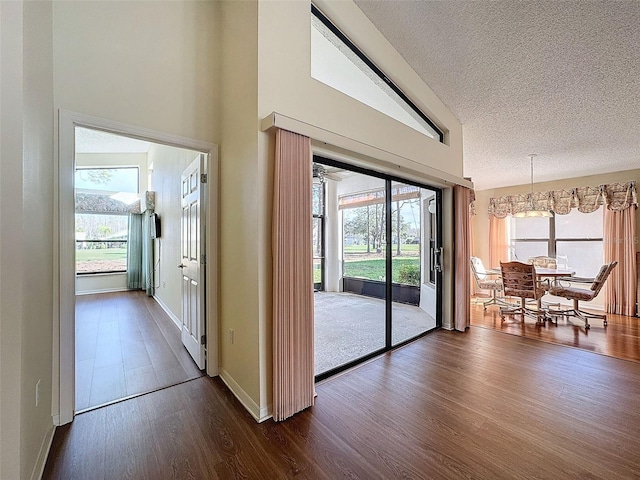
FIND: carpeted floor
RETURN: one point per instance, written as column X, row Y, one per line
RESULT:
column 349, row 326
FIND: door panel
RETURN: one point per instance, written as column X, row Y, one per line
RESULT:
column 192, row 264
column 414, row 299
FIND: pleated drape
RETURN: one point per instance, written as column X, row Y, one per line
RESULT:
column 462, row 290
column 498, row 241
column 293, row 367
column 620, row 244
column 134, row 252
column 140, row 253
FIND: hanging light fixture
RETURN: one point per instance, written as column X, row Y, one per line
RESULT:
column 531, row 210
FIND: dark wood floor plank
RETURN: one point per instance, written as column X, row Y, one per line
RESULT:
column 451, row 405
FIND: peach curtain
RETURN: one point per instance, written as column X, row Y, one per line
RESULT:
column 462, row 308
column 472, row 253
column 498, row 241
column 293, row 368
column 620, row 244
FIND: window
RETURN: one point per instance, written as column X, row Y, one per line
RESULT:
column 101, row 243
column 103, row 198
column 338, row 63
column 574, row 239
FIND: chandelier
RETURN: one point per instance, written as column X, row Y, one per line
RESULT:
column 531, row 210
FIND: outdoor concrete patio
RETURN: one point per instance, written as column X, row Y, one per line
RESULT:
column 349, row 326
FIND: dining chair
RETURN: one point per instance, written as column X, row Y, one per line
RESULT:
column 543, row 261
column 520, row 280
column 486, row 281
column 576, row 294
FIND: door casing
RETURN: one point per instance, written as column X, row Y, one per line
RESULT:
column 63, row 369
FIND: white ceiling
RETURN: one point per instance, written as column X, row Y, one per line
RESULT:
column 556, row 78
column 96, row 141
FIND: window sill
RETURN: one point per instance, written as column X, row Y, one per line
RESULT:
column 100, row 274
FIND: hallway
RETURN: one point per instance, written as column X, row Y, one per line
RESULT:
column 126, row 345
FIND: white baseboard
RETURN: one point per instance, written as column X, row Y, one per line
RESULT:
column 173, row 318
column 101, row 290
column 41, row 461
column 259, row 414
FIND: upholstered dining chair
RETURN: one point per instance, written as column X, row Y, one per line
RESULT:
column 486, row 281
column 520, row 280
column 561, row 289
column 542, row 261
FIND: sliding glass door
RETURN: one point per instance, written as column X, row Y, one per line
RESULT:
column 413, row 309
column 379, row 281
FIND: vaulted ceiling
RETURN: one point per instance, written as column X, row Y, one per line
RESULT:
column 557, row 78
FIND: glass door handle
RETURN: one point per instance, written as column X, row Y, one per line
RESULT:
column 437, row 259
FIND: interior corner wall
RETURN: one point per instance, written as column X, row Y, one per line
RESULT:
column 168, row 165
column 37, row 332
column 11, row 235
column 26, row 231
column 241, row 186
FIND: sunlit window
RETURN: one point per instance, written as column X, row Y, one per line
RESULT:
column 102, row 221
column 575, row 240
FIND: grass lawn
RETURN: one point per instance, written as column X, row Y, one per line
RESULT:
column 94, row 254
column 413, row 247
column 375, row 269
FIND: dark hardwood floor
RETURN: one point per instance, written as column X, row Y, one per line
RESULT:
column 451, row 405
column 126, row 345
column 620, row 339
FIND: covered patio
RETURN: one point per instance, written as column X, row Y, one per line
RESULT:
column 349, row 326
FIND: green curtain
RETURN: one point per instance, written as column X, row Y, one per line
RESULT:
column 140, row 253
column 134, row 252
column 147, row 253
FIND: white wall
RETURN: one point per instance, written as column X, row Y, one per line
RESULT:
column 154, row 65
column 151, row 64
column 242, row 211
column 26, row 212
column 168, row 165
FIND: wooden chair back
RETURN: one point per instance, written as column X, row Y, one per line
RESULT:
column 520, row 280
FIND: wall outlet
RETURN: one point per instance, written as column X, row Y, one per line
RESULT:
column 38, row 392
column 231, row 335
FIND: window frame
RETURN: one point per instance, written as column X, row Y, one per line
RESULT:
column 125, row 241
column 105, row 192
column 552, row 239
column 344, row 39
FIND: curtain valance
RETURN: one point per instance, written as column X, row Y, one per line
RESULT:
column 616, row 196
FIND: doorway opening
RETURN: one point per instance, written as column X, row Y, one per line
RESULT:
column 125, row 191
column 377, row 245
column 122, row 231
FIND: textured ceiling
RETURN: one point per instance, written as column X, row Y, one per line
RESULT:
column 96, row 141
column 556, row 78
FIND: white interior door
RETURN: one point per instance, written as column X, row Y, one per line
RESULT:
column 193, row 261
